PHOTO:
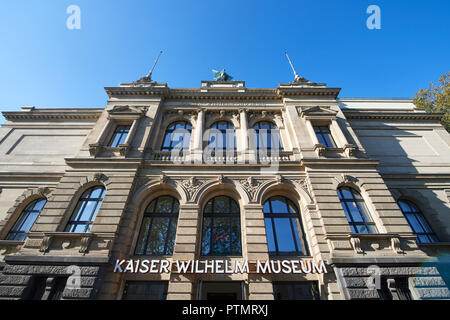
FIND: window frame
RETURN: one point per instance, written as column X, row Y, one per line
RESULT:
column 273, row 127
column 16, row 229
column 119, row 131
column 232, row 216
column 362, row 208
column 322, row 133
column 300, row 235
column 224, row 135
column 152, row 215
column 423, row 222
column 187, row 126
column 80, row 206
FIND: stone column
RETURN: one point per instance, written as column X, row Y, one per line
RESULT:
column 181, row 285
column 244, row 124
column 259, row 286
column 198, row 136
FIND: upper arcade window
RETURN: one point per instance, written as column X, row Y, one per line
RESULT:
column 86, row 210
column 26, row 220
column 177, row 137
column 267, row 137
column 221, row 232
column 157, row 234
column 222, row 137
column 417, row 222
column 358, row 215
column 120, row 136
column 285, row 236
column 324, row 136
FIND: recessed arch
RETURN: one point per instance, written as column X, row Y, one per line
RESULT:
column 285, row 188
column 21, row 204
column 226, row 187
column 221, row 227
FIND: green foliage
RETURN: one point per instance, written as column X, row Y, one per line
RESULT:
column 436, row 99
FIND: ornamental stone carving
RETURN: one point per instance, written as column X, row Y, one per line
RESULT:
column 191, row 186
column 251, row 186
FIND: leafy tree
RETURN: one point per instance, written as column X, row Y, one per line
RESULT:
column 436, row 99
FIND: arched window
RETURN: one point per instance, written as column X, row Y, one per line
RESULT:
column 86, row 210
column 267, row 136
column 177, row 137
column 222, row 137
column 417, row 222
column 221, row 234
column 26, row 220
column 284, row 230
column 358, row 215
column 157, row 235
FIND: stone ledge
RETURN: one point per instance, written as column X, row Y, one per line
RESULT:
column 382, row 260
column 62, row 260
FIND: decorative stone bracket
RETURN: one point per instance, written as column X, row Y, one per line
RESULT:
column 94, row 149
column 320, row 149
column 69, row 240
column 349, row 150
column 362, row 243
column 10, row 247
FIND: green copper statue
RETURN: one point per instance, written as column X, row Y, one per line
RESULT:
column 221, row 76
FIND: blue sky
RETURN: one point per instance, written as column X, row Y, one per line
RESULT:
column 42, row 63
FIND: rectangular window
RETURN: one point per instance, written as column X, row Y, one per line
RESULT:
column 324, row 136
column 57, row 289
column 401, row 290
column 296, row 290
column 120, row 136
column 145, row 290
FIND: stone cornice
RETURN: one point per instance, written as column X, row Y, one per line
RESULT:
column 201, row 94
column 56, row 114
column 309, row 91
column 380, row 115
column 339, row 161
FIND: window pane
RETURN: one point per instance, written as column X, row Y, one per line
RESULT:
column 404, row 206
column 414, row 223
column 279, row 205
column 221, row 236
column 157, row 237
column 40, row 205
column 270, row 235
column 29, row 221
column 297, row 231
column 206, row 236
column 171, row 236
column 354, row 211
column 96, row 193
column 140, row 247
column 221, row 205
column 164, row 205
column 284, row 235
column 267, row 207
column 235, row 236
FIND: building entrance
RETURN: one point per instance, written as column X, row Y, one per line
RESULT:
column 231, row 290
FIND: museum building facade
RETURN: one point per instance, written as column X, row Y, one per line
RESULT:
column 346, row 198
